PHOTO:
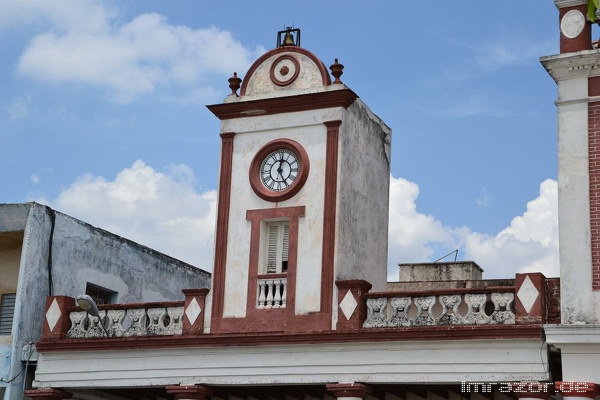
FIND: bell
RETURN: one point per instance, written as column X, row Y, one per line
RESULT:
column 288, row 39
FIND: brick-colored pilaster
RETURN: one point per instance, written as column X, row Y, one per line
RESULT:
column 357, row 289
column 194, row 311
column 530, row 299
column 594, row 171
column 56, row 317
column 583, row 41
column 218, row 295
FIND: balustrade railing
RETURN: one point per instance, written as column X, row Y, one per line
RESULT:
column 272, row 291
column 454, row 307
column 126, row 321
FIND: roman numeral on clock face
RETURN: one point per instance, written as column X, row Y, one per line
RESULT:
column 279, row 169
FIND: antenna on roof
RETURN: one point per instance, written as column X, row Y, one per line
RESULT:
column 455, row 252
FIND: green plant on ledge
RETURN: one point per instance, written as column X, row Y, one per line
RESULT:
column 593, row 6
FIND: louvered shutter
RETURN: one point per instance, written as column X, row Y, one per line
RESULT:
column 285, row 246
column 7, row 311
column 272, row 240
column 278, row 238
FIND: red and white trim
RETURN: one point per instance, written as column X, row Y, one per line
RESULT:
column 329, row 215
column 222, row 224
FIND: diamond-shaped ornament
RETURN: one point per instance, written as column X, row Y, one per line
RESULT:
column 53, row 315
column 193, row 310
column 527, row 294
column 348, row 305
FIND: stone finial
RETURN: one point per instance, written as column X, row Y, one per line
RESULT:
column 337, row 71
column 234, row 84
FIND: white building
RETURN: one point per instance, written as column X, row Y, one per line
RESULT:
column 299, row 307
column 576, row 71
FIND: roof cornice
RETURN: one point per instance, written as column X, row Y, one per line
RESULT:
column 426, row 333
column 567, row 66
column 277, row 105
column 569, row 3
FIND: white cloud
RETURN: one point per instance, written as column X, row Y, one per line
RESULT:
column 468, row 106
column 511, row 50
column 484, row 200
column 161, row 210
column 127, row 59
column 80, row 15
column 21, row 107
column 529, row 244
column 411, row 234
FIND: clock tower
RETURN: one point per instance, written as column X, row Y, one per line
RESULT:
column 303, row 195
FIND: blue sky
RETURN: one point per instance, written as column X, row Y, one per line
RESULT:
column 102, row 115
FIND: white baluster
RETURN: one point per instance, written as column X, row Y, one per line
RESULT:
column 283, row 295
column 261, row 294
column 277, row 297
column 269, row 294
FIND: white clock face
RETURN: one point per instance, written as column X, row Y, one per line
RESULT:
column 279, row 169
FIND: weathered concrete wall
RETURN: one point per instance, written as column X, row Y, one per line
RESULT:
column 82, row 254
column 441, row 271
column 363, row 197
column 61, row 254
column 32, row 285
column 13, row 217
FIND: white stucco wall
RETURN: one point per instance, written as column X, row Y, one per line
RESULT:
column 260, row 84
column 573, row 202
column 362, row 200
column 580, row 350
column 362, row 184
column 578, row 335
column 495, row 360
column 579, row 303
column 307, row 129
column 363, row 197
